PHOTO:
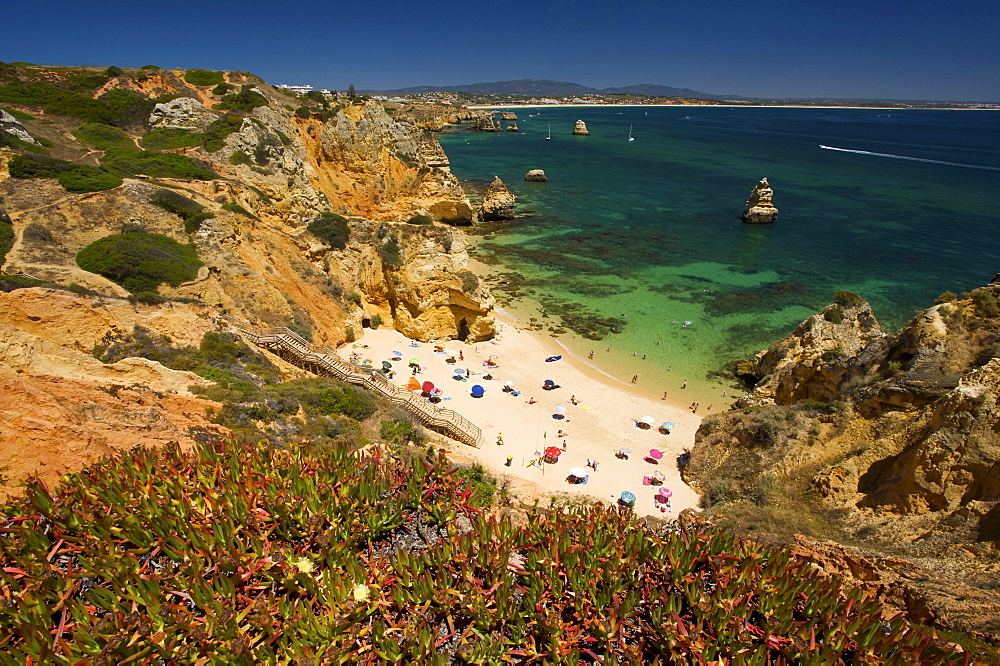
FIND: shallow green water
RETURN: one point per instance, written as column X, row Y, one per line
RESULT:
column 649, row 231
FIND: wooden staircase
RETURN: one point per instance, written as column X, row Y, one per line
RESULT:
column 325, row 361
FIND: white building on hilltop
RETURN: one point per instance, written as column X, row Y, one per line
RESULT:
column 299, row 89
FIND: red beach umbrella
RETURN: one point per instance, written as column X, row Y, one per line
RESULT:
column 553, row 452
column 427, row 387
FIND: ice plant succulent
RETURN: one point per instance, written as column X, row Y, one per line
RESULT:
column 239, row 553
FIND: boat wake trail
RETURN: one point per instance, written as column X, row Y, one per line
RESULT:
column 911, row 159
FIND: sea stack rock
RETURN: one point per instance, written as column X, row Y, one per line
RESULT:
column 759, row 209
column 580, row 128
column 484, row 121
column 512, row 128
column 508, row 115
column 498, row 203
column 536, row 176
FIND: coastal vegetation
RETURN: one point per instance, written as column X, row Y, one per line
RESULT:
column 203, row 77
column 245, row 100
column 165, row 554
column 140, row 261
column 168, row 138
column 192, row 212
column 76, row 178
column 330, row 228
column 216, row 133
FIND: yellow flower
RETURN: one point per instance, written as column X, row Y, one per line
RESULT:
column 360, row 593
column 305, row 565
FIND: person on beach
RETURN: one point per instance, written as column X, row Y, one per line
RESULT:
column 460, row 356
column 685, row 384
column 635, row 378
column 664, row 396
column 609, row 347
column 499, row 439
column 510, row 459
column 709, row 408
column 531, row 400
column 591, row 355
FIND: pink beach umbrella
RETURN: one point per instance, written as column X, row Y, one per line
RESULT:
column 666, row 492
column 655, row 454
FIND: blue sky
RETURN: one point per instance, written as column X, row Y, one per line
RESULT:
column 893, row 49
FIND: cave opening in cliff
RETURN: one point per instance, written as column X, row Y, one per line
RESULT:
column 463, row 330
column 366, row 323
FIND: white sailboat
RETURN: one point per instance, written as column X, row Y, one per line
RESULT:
column 549, row 137
column 630, row 137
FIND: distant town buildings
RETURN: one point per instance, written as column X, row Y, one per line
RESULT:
column 303, row 89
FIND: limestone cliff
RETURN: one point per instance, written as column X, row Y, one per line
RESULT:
column 759, row 209
column 901, row 433
column 498, row 202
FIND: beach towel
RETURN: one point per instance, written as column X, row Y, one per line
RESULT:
column 586, row 407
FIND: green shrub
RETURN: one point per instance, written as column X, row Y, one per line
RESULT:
column 847, row 299
column 245, row 100
column 103, row 137
column 124, row 108
column 481, row 483
column 239, row 157
column 420, row 219
column 203, row 77
column 469, row 282
column 893, row 368
column 399, row 431
column 946, row 297
column 216, row 133
column 113, row 71
column 832, row 354
column 36, row 233
column 170, row 138
column 132, row 161
column 332, row 398
column 6, row 236
column 834, row 314
column 193, row 223
column 239, row 210
column 986, row 304
column 11, row 141
column 332, row 229
column 376, row 321
column 349, row 334
column 38, row 166
column 140, row 261
column 223, row 88
column 84, row 178
column 354, row 297
column 192, row 212
column 389, row 251
column 302, row 112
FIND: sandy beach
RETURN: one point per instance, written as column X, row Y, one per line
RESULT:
column 603, row 420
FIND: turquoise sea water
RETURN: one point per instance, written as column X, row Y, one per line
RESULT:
column 649, row 231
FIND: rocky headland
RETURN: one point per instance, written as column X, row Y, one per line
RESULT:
column 892, row 439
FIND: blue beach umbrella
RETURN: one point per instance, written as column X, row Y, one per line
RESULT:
column 667, row 425
column 478, row 391
column 628, row 498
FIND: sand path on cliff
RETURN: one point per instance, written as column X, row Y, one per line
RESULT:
column 603, row 421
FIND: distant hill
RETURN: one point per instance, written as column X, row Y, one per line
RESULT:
column 537, row 87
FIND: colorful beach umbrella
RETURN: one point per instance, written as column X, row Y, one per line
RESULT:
column 427, row 387
column 659, row 476
column 666, row 492
column 414, row 361
column 387, row 365
column 628, row 497
column 553, row 452
column 459, row 371
column 396, row 353
column 667, row 425
column 655, row 454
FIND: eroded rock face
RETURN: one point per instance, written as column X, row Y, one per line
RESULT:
column 536, row 176
column 508, row 115
column 498, row 202
column 182, row 113
column 808, row 363
column 512, row 128
column 759, row 209
column 484, row 121
column 580, row 128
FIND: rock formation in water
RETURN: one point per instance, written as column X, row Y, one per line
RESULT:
column 580, row 128
column 759, row 209
column 512, row 128
column 536, row 175
column 498, row 202
column 508, row 115
column 485, row 121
